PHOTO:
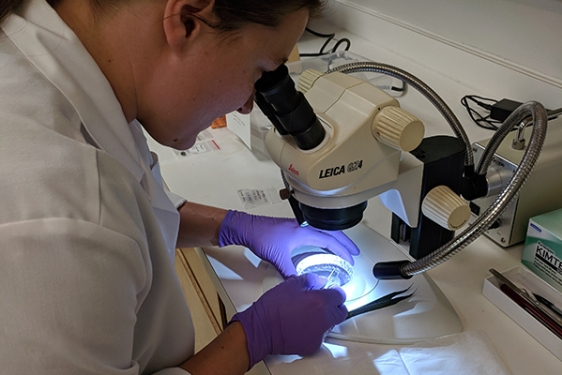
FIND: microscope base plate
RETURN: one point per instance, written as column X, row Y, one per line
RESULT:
column 426, row 315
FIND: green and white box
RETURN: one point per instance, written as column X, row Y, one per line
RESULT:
column 543, row 247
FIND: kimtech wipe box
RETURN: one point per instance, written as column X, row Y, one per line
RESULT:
column 543, row 247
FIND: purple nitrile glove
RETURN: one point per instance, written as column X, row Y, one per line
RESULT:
column 273, row 239
column 292, row 318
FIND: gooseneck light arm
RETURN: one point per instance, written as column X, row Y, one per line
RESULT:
column 540, row 119
column 538, row 113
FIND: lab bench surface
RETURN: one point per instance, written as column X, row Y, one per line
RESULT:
column 216, row 177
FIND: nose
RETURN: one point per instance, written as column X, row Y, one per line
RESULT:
column 247, row 107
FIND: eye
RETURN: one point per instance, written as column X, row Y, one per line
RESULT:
column 262, row 72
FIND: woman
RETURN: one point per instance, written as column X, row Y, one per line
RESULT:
column 87, row 231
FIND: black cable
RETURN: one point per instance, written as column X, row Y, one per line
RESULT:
column 316, row 33
column 344, row 40
column 329, row 38
column 483, row 121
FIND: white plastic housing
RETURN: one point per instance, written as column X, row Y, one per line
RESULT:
column 351, row 165
column 445, row 208
column 397, row 128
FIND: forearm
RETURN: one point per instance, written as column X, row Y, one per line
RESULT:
column 227, row 354
column 199, row 225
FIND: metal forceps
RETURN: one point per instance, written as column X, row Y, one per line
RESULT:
column 384, row 301
column 331, row 280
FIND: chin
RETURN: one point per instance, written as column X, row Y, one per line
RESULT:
column 183, row 144
column 182, row 140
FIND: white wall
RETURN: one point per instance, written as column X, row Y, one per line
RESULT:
column 503, row 48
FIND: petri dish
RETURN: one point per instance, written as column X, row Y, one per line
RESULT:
column 355, row 280
column 336, row 270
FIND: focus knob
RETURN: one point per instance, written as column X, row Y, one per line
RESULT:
column 307, row 79
column 397, row 128
column 445, row 208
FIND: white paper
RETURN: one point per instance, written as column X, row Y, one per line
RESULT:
column 468, row 353
column 239, row 124
column 252, row 198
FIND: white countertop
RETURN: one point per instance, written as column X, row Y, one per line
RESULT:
column 214, row 178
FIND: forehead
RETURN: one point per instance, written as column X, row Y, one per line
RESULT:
column 278, row 40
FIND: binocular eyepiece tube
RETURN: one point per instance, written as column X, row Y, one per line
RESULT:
column 287, row 109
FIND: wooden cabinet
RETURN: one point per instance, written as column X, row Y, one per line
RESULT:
column 207, row 311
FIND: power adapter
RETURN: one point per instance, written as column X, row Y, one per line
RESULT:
column 502, row 109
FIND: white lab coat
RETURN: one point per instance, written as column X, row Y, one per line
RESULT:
column 87, row 232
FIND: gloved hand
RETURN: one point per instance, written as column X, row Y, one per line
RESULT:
column 273, row 239
column 292, row 318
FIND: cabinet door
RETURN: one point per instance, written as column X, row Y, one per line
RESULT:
column 205, row 307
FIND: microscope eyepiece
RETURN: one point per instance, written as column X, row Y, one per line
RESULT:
column 288, row 109
column 278, row 89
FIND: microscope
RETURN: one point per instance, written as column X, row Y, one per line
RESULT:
column 340, row 141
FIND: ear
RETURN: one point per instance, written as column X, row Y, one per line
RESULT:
column 183, row 21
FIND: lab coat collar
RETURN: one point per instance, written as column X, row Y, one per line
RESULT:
column 42, row 36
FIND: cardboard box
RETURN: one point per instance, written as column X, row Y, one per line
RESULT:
column 522, row 277
column 543, row 247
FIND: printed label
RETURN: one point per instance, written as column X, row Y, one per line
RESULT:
column 547, row 261
column 200, row 147
column 252, row 198
column 341, row 169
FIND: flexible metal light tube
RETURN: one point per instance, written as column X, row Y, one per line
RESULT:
column 519, row 140
column 540, row 119
column 537, row 111
column 514, row 120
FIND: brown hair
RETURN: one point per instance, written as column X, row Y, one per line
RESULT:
column 8, row 6
column 231, row 14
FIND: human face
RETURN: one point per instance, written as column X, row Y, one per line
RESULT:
column 217, row 76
